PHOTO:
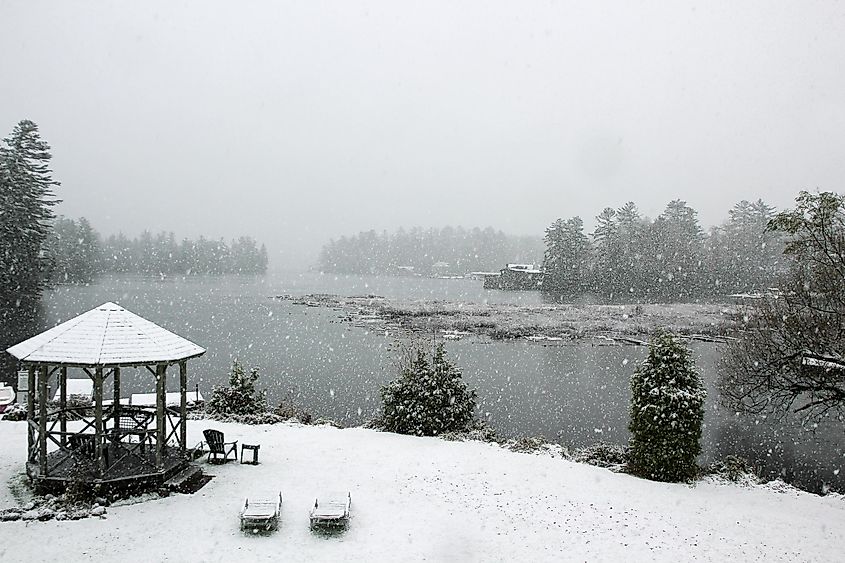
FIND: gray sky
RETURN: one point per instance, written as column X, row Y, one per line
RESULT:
column 298, row 121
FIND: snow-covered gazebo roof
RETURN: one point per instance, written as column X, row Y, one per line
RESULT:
column 107, row 336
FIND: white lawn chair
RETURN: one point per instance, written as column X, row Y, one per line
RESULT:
column 331, row 510
column 261, row 513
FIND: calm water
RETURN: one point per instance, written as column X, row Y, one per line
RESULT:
column 576, row 394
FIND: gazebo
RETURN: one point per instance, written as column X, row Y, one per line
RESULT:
column 117, row 446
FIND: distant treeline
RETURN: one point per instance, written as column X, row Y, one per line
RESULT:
column 77, row 253
column 626, row 257
column 669, row 258
column 450, row 250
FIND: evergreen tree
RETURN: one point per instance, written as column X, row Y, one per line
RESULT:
column 678, row 241
column 428, row 398
column 608, row 255
column 240, row 397
column 89, row 251
column 554, row 260
column 667, row 409
column 26, row 214
column 567, row 259
column 74, row 251
column 630, row 227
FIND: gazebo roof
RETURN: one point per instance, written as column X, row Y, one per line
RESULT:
column 107, row 335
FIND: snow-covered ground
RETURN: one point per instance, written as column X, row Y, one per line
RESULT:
column 426, row 499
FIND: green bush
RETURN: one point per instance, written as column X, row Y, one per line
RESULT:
column 667, row 408
column 240, row 397
column 428, row 398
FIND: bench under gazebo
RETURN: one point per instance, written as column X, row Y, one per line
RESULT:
column 110, row 444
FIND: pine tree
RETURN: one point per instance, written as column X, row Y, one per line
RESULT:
column 555, row 257
column 679, row 242
column 240, row 397
column 630, row 227
column 667, row 409
column 428, row 398
column 26, row 215
column 608, row 255
column 567, row 258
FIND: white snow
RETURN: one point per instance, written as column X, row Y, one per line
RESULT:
column 106, row 335
column 77, row 387
column 425, row 499
column 172, row 399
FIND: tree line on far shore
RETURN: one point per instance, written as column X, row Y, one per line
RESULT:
column 626, row 257
column 78, row 254
column 450, row 250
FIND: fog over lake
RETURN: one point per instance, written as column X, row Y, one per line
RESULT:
column 302, row 121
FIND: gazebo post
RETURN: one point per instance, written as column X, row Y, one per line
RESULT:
column 42, row 420
column 183, row 406
column 98, row 420
column 116, row 406
column 30, row 410
column 63, row 405
column 161, row 399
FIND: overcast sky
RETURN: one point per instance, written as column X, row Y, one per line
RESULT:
column 299, row 121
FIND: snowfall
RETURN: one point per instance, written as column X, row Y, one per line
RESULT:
column 428, row 499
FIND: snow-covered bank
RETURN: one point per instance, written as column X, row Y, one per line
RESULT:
column 425, row 499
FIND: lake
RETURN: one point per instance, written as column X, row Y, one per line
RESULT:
column 575, row 394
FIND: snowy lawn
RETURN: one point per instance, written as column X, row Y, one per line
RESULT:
column 425, row 499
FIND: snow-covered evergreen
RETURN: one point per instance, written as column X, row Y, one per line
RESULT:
column 428, row 398
column 667, row 408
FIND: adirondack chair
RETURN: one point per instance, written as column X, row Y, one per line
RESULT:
column 217, row 447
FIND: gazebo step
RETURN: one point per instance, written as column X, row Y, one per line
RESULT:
column 185, row 480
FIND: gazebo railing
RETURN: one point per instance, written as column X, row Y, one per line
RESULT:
column 115, row 439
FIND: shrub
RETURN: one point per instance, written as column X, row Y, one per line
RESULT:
column 735, row 469
column 14, row 412
column 240, row 397
column 287, row 409
column 428, row 398
column 602, row 454
column 667, row 408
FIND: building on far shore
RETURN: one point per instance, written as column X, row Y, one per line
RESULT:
column 515, row 277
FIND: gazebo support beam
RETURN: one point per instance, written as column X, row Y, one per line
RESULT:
column 116, row 406
column 161, row 399
column 63, row 405
column 42, row 419
column 98, row 420
column 183, row 406
column 30, row 408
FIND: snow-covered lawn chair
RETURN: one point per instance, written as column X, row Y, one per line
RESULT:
column 331, row 510
column 218, row 448
column 261, row 513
